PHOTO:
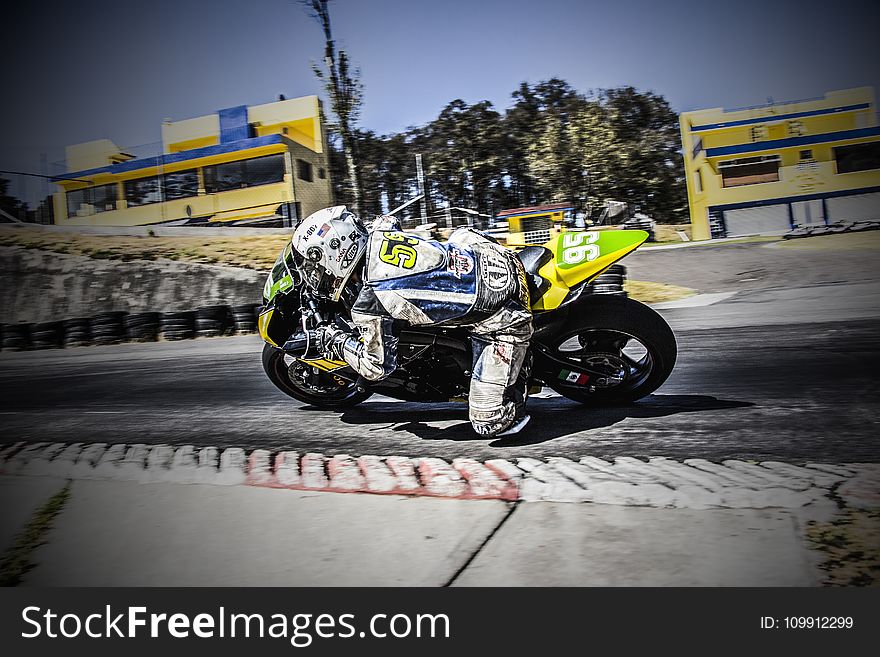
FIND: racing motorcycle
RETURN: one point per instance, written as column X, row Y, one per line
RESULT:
column 591, row 342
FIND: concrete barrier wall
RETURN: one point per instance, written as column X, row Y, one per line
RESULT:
column 37, row 286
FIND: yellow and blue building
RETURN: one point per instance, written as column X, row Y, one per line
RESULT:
column 259, row 165
column 771, row 168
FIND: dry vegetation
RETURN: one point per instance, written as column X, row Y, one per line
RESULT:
column 650, row 292
column 851, row 545
column 669, row 232
column 258, row 252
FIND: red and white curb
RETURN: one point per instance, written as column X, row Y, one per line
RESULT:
column 657, row 481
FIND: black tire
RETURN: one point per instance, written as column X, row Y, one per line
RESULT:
column 187, row 315
column 113, row 316
column 213, row 312
column 139, row 319
column 277, row 370
column 179, row 335
column 177, row 323
column 600, row 326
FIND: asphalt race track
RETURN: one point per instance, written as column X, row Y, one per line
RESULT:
column 780, row 373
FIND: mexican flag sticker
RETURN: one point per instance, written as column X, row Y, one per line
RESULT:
column 574, row 377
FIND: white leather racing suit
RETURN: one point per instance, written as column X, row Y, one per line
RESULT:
column 467, row 281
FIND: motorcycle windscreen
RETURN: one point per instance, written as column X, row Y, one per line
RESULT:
column 283, row 276
column 579, row 256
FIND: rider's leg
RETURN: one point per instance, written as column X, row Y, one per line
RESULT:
column 498, row 385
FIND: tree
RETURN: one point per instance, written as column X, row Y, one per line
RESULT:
column 10, row 205
column 646, row 158
column 568, row 158
column 343, row 86
column 462, row 150
column 552, row 100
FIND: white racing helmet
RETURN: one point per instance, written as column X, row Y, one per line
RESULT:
column 327, row 247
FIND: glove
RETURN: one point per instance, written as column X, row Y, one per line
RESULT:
column 329, row 340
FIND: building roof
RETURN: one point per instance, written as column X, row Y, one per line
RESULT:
column 182, row 156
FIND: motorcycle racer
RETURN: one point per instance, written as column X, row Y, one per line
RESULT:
column 469, row 281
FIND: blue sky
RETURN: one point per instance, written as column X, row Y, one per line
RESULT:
column 77, row 71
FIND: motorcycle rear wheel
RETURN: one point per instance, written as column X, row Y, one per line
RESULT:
column 323, row 391
column 626, row 339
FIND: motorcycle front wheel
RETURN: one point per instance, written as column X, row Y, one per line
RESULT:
column 628, row 348
column 308, row 384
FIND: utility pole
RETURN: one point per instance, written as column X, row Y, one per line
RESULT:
column 420, row 176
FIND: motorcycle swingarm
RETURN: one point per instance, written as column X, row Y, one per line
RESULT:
column 547, row 367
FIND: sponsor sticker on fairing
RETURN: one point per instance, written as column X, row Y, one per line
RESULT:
column 495, row 270
column 459, row 263
column 578, row 378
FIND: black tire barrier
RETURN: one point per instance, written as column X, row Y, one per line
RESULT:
column 244, row 318
column 142, row 327
column 102, row 340
column 137, row 319
column 179, row 335
column 117, row 326
column 111, row 317
column 178, row 325
column 212, row 321
column 47, row 335
column 210, row 324
column 610, row 281
column 77, row 332
column 16, row 337
column 181, row 315
column 108, row 327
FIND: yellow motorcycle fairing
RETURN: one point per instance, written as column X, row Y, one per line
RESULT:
column 579, row 256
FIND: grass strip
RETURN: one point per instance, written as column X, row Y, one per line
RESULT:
column 851, row 547
column 16, row 561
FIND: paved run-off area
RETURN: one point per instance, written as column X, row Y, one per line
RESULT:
column 262, row 519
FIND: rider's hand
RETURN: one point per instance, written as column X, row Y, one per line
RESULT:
column 329, row 341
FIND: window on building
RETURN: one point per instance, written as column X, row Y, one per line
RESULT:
column 698, row 181
column 796, row 128
column 181, row 184
column 224, row 177
column 322, row 174
column 749, row 171
column 805, row 155
column 857, row 157
column 304, row 170
column 759, row 132
column 91, row 200
column 142, row 191
column 244, row 173
column 264, row 170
